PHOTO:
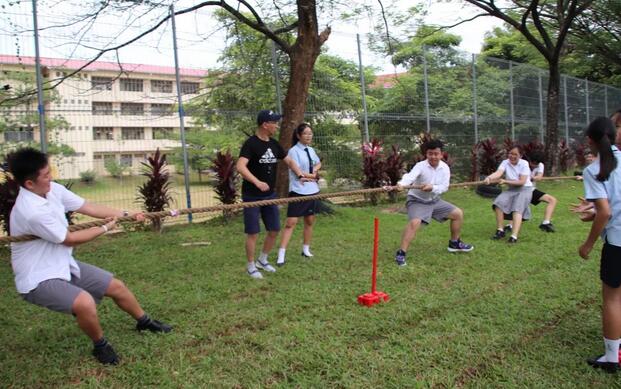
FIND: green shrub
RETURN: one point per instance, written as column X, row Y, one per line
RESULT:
column 114, row 168
column 88, row 176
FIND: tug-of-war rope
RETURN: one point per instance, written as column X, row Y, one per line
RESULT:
column 230, row 207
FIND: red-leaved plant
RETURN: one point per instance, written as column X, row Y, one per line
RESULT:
column 531, row 147
column 485, row 158
column 579, row 153
column 223, row 165
column 566, row 160
column 373, row 167
column 154, row 193
column 9, row 189
column 507, row 146
column 394, row 167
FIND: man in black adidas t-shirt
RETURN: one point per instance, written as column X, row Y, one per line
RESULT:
column 257, row 164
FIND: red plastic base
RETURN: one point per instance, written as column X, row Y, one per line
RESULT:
column 370, row 299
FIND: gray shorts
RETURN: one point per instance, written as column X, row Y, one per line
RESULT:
column 438, row 210
column 515, row 200
column 59, row 295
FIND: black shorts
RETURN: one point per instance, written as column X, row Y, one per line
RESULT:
column 537, row 195
column 301, row 208
column 610, row 265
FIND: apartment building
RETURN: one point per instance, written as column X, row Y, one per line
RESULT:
column 115, row 112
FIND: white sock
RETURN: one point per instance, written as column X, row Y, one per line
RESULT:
column 612, row 349
column 306, row 250
column 263, row 258
column 514, row 237
column 251, row 267
column 545, row 222
column 281, row 255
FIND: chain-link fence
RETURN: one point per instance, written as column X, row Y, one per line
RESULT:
column 104, row 121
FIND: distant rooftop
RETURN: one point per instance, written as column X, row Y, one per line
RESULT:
column 385, row 81
column 72, row 64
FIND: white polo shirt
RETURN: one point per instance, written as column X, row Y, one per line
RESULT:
column 46, row 258
column 513, row 172
column 423, row 173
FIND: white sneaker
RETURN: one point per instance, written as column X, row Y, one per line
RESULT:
column 265, row 266
column 256, row 274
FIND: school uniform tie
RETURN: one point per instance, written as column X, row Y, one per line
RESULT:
column 310, row 160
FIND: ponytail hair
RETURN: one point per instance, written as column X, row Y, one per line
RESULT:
column 297, row 132
column 602, row 132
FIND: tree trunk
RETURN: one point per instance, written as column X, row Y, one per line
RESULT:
column 302, row 59
column 551, row 138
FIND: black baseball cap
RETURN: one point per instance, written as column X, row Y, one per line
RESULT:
column 267, row 116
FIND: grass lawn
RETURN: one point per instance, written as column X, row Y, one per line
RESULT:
column 525, row 315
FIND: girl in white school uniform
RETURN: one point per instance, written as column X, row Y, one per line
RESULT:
column 602, row 187
column 514, row 202
column 303, row 185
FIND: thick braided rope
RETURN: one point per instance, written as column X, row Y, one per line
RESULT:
column 230, row 207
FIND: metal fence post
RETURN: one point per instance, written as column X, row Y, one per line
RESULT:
column 541, row 121
column 184, row 146
column 40, row 102
column 586, row 101
column 606, row 99
column 511, row 100
column 474, row 100
column 363, row 90
column 426, row 83
column 566, row 109
column 276, row 78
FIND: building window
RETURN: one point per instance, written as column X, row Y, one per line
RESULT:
column 131, row 85
column 163, row 133
column 161, row 86
column 21, row 135
column 126, row 160
column 132, row 133
column 109, row 158
column 161, row 109
column 102, row 108
column 189, row 88
column 132, row 109
column 101, row 83
column 103, row 133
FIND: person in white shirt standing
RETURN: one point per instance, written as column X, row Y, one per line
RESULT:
column 308, row 162
column 46, row 274
column 535, row 161
column 512, row 204
column 433, row 176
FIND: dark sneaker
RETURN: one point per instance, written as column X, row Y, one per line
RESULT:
column 400, row 258
column 512, row 240
column 546, row 227
column 154, row 326
column 608, row 367
column 508, row 228
column 106, row 355
column 498, row 235
column 459, row 246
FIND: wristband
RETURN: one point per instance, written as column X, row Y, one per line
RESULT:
column 105, row 228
